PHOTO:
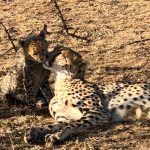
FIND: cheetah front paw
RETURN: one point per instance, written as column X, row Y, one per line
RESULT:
column 35, row 136
column 40, row 102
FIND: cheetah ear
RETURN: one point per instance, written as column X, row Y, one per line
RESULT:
column 42, row 34
column 44, row 31
column 66, row 54
column 76, row 57
column 22, row 42
column 57, row 47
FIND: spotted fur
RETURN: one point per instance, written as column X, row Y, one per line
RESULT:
column 128, row 100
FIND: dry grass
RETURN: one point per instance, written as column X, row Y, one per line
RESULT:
column 119, row 49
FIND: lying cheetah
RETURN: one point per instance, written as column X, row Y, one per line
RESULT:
column 125, row 100
column 28, row 79
column 77, row 104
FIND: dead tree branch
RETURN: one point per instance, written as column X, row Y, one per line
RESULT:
column 65, row 26
column 60, row 15
column 9, row 37
column 6, row 52
column 133, row 42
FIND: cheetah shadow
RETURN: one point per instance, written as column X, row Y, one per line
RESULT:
column 114, row 134
column 85, row 134
column 11, row 107
column 120, row 135
column 101, row 129
column 14, row 111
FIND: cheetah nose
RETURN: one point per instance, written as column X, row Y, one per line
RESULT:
column 45, row 52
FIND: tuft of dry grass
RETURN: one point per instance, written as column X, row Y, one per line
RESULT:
column 118, row 51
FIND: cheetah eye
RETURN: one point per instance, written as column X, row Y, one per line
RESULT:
column 35, row 53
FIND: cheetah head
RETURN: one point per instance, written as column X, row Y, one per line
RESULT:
column 64, row 61
column 35, row 46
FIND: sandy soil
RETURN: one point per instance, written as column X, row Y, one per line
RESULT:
column 118, row 50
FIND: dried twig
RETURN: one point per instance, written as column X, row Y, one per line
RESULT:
column 9, row 37
column 6, row 52
column 121, row 46
column 65, row 26
column 133, row 42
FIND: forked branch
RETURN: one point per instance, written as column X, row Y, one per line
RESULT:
column 65, row 26
column 133, row 42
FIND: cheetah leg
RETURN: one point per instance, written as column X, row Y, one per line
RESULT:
column 85, row 122
column 46, row 91
column 37, row 134
column 33, row 100
column 31, row 95
column 138, row 113
column 32, row 91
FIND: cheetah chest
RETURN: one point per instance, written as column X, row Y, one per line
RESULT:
column 64, row 104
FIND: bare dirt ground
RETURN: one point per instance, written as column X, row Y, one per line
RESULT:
column 118, row 50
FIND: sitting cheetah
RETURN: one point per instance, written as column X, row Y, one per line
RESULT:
column 28, row 79
column 124, row 100
column 77, row 104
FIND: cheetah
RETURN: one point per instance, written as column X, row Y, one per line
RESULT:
column 127, row 99
column 77, row 104
column 28, row 82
